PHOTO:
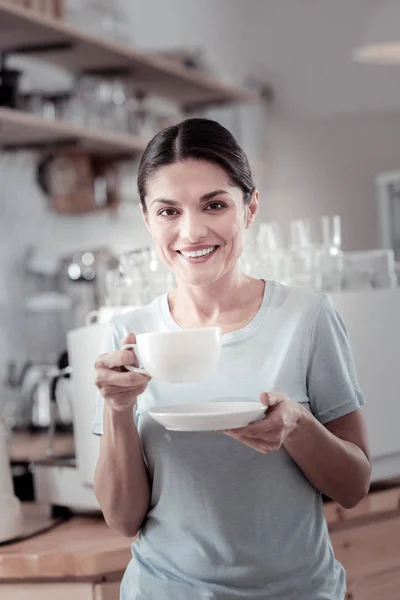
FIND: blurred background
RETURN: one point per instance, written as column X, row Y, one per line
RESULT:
column 311, row 90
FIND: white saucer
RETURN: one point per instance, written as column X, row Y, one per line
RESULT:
column 208, row 416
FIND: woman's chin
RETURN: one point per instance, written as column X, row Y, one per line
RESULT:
column 198, row 278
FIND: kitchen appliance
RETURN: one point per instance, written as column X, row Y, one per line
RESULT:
column 61, row 288
column 70, row 483
column 40, row 397
column 65, row 482
column 11, row 521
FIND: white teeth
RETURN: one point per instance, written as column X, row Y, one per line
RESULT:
column 197, row 253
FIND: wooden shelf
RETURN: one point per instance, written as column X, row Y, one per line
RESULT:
column 158, row 75
column 20, row 130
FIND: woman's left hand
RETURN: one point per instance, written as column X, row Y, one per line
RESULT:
column 281, row 419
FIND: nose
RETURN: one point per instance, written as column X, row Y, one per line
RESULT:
column 193, row 228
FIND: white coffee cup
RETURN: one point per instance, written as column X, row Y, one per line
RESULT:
column 177, row 356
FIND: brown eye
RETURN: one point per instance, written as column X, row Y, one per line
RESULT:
column 167, row 212
column 215, row 206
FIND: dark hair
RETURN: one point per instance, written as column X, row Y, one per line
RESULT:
column 201, row 139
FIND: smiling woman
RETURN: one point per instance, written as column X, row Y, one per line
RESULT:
column 238, row 513
column 198, row 197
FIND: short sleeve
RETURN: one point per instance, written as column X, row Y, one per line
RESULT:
column 108, row 344
column 332, row 384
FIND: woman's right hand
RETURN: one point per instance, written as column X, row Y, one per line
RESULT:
column 118, row 386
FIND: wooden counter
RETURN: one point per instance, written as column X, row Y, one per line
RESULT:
column 85, row 559
column 81, row 558
column 29, row 447
column 82, row 547
column 366, row 540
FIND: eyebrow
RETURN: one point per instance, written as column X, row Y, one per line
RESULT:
column 203, row 198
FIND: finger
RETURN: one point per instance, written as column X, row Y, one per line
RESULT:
column 112, row 391
column 269, row 424
column 117, row 358
column 254, row 444
column 125, row 379
column 130, row 338
column 271, row 398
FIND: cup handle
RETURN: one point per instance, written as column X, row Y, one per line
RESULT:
column 131, row 367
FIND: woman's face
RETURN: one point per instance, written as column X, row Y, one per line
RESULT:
column 197, row 220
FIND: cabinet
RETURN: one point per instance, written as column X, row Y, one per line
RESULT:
column 108, row 590
column 81, row 559
column 372, row 319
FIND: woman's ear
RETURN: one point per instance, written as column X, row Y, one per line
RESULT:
column 251, row 209
column 145, row 216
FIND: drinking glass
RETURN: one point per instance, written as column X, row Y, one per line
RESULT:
column 325, row 231
column 273, row 259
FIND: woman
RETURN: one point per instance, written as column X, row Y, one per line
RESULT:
column 235, row 514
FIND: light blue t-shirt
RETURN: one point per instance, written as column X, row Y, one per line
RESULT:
column 225, row 521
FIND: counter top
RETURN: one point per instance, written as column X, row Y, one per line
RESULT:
column 83, row 547
column 380, row 504
column 28, row 447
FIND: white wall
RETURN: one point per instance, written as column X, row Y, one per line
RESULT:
column 213, row 25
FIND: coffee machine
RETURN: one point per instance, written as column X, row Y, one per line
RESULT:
column 69, row 482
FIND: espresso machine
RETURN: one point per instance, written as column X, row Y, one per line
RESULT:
column 69, row 482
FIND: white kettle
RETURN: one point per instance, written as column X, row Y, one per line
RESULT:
column 11, row 521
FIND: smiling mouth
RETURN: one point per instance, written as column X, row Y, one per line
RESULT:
column 197, row 254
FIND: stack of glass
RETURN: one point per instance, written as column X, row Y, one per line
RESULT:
column 323, row 239
column 272, row 256
column 139, row 279
column 313, row 257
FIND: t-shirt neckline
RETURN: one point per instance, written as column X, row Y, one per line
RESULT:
column 232, row 335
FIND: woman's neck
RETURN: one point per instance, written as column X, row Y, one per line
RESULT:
column 230, row 302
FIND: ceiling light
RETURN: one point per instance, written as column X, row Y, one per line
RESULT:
column 381, row 42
